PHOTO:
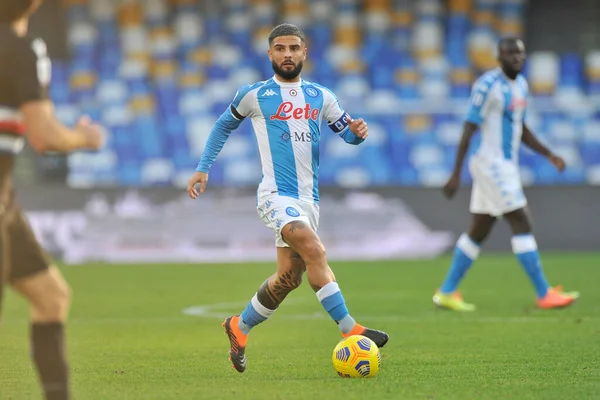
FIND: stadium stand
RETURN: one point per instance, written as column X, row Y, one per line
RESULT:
column 158, row 73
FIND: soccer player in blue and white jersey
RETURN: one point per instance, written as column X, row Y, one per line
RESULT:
column 497, row 108
column 286, row 113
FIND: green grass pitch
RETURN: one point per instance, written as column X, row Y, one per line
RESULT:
column 129, row 338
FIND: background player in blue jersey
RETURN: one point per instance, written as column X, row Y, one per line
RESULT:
column 286, row 113
column 497, row 108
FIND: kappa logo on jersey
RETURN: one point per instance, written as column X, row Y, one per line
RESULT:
column 269, row 92
column 286, row 111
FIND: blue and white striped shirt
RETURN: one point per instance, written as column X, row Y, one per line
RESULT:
column 286, row 118
column 498, row 106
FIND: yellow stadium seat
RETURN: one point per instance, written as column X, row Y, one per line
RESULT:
column 161, row 69
column 402, row 19
column 461, row 76
column 352, row 66
column 142, row 104
column 295, row 7
column 593, row 74
column 483, row 59
column 509, row 27
column 189, row 80
column 404, row 76
column 592, row 65
column 161, row 31
column 414, row 124
column 424, row 54
column 83, row 80
column 200, row 56
column 377, row 6
column 131, row 15
column 142, row 57
column 542, row 87
column 460, row 6
column 483, row 18
column 347, row 36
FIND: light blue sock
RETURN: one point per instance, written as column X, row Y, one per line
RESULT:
column 254, row 314
column 333, row 302
column 525, row 248
column 465, row 252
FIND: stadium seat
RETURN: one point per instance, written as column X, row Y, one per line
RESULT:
column 592, row 67
column 158, row 73
column 543, row 72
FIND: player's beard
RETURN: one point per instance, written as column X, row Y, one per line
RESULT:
column 287, row 74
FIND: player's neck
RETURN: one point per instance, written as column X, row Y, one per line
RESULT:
column 282, row 80
column 20, row 26
column 512, row 75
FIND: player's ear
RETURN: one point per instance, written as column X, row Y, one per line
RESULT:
column 270, row 55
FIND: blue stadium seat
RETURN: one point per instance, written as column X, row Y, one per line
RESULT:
column 571, row 71
column 199, row 48
column 130, row 174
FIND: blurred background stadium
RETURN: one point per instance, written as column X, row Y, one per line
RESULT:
column 157, row 74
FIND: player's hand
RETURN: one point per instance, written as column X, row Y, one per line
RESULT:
column 95, row 136
column 451, row 186
column 558, row 162
column 358, row 127
column 198, row 178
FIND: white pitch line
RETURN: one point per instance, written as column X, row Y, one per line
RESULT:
column 223, row 310
column 219, row 311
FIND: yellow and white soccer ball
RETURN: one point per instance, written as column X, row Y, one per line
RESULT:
column 356, row 356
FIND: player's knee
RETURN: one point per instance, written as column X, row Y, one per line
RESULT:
column 53, row 304
column 298, row 264
column 314, row 252
column 479, row 236
column 519, row 222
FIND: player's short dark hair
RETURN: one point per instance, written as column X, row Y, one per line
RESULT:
column 286, row 30
column 506, row 41
column 13, row 10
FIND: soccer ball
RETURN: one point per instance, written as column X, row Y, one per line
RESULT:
column 356, row 356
